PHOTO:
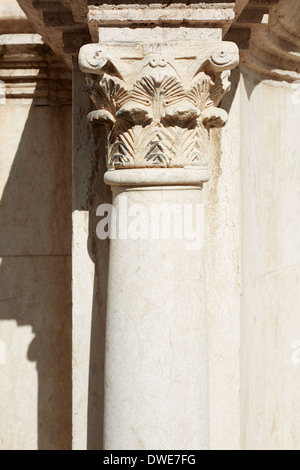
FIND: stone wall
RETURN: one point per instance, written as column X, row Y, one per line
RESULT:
column 35, row 247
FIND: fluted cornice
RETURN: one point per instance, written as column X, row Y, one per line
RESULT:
column 30, row 70
column 274, row 44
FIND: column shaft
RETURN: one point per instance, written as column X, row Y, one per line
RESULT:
column 156, row 380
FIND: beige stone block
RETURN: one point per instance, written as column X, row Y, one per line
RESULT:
column 35, row 180
column 157, row 33
column 270, row 268
column 271, row 180
column 35, row 326
column 222, row 242
column 10, row 10
column 271, row 356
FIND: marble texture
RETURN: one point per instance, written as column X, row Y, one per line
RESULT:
column 156, row 379
column 251, row 347
column 158, row 105
column 222, row 197
column 270, row 271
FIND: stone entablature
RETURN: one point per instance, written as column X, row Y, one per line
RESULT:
column 269, row 41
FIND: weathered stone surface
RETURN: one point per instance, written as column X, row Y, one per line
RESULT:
column 273, row 50
column 171, row 14
column 89, row 281
column 35, row 321
column 13, row 19
column 157, row 102
column 222, row 202
column 35, row 244
column 270, row 269
column 35, row 171
column 35, row 227
column 143, row 92
column 52, row 20
column 52, row 24
column 29, row 69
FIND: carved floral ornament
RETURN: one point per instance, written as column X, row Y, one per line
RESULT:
column 158, row 101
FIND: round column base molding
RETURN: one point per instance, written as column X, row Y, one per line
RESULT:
column 157, row 177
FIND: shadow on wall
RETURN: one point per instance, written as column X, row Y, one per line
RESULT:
column 227, row 101
column 89, row 191
column 99, row 253
column 35, row 273
column 99, row 250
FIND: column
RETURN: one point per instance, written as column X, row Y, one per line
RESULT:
column 158, row 102
column 270, row 302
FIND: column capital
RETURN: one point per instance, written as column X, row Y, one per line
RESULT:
column 158, row 100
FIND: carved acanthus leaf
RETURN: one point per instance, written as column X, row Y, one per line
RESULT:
column 221, row 86
column 194, row 146
column 159, row 115
column 151, row 97
column 109, row 93
column 200, row 92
